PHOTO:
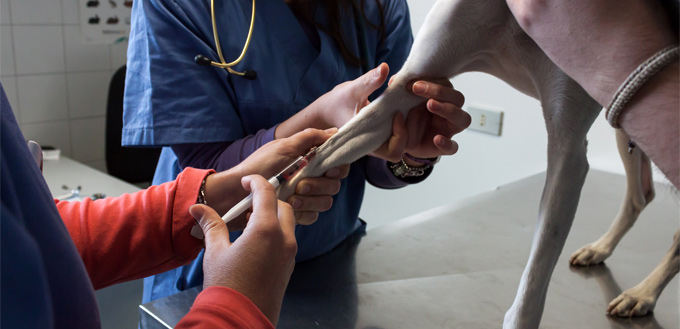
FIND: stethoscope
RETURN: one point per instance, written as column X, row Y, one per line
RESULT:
column 205, row 61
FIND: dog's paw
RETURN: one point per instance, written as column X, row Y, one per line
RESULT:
column 591, row 254
column 632, row 302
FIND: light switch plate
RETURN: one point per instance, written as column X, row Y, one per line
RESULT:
column 486, row 120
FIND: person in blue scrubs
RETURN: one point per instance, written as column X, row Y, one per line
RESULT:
column 207, row 118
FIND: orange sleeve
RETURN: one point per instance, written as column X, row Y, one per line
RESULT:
column 136, row 235
column 221, row 307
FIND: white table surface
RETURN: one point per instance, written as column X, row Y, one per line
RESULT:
column 71, row 173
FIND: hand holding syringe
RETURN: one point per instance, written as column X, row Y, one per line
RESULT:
column 279, row 178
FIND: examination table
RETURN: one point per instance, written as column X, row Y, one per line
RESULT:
column 458, row 266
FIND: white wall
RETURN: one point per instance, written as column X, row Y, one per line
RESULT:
column 484, row 161
column 56, row 85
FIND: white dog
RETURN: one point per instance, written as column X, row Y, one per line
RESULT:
column 482, row 35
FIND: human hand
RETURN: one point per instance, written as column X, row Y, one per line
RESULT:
column 260, row 262
column 312, row 195
column 429, row 126
column 336, row 107
column 350, row 97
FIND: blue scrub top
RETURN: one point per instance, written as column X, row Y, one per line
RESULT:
column 44, row 281
column 169, row 99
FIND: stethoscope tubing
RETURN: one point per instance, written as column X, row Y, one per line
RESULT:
column 204, row 61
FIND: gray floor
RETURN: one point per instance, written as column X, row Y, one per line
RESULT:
column 458, row 267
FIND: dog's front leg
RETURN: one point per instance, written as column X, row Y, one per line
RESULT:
column 567, row 168
column 361, row 135
column 569, row 113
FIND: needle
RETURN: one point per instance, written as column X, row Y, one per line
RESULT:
column 279, row 178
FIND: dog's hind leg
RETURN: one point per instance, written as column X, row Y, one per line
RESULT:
column 641, row 299
column 639, row 193
column 569, row 112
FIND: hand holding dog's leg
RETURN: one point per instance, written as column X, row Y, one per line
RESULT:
column 432, row 124
column 308, row 197
column 429, row 125
column 337, row 106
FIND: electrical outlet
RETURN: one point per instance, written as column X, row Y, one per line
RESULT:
column 486, row 120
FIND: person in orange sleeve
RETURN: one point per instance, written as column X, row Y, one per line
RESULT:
column 56, row 253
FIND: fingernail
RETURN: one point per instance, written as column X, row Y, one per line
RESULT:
column 297, row 203
column 335, row 172
column 196, row 212
column 305, row 189
column 332, row 130
column 434, row 105
column 377, row 71
column 419, row 87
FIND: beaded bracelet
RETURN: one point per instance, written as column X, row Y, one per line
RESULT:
column 201, row 193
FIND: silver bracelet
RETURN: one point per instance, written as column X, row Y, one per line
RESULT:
column 403, row 170
column 636, row 79
column 201, row 193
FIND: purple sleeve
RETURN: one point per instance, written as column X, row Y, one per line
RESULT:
column 380, row 175
column 225, row 155
column 221, row 155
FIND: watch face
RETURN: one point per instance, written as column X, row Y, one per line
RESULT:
column 401, row 169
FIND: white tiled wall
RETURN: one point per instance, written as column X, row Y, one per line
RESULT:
column 57, row 86
column 42, row 98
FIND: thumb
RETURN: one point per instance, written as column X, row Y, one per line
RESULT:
column 365, row 85
column 303, row 141
column 214, row 229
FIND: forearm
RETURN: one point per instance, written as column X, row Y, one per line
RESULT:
column 309, row 117
column 223, row 155
column 135, row 235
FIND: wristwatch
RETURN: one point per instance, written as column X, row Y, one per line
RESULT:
column 403, row 170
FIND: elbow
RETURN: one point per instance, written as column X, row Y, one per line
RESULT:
column 527, row 12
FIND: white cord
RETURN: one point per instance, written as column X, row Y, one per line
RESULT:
column 638, row 78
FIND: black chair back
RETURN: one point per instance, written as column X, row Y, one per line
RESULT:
column 133, row 165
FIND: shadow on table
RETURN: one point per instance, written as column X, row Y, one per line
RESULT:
column 611, row 289
column 322, row 292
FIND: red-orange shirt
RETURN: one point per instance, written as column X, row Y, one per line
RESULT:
column 148, row 232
